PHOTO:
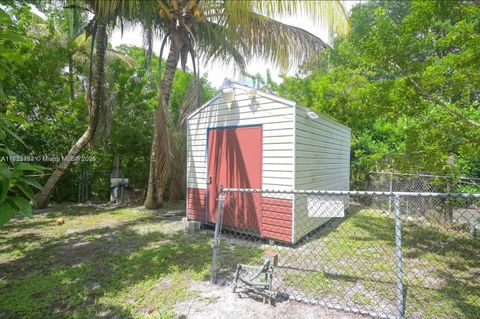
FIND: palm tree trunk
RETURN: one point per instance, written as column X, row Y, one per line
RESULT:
column 177, row 179
column 176, row 191
column 94, row 107
column 161, row 155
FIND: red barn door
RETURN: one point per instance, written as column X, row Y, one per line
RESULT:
column 235, row 161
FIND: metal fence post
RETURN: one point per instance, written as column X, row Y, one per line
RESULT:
column 398, row 251
column 216, row 238
column 391, row 190
column 80, row 187
column 122, row 196
column 87, row 185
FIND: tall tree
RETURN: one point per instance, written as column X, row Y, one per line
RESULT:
column 74, row 20
column 406, row 81
column 227, row 31
column 98, row 28
column 16, row 188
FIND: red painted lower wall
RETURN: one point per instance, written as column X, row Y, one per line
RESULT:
column 276, row 221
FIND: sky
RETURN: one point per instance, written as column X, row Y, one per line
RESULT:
column 216, row 73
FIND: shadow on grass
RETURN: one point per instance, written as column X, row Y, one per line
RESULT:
column 330, row 226
column 18, row 245
column 441, row 264
column 75, row 209
column 130, row 270
column 75, row 245
column 110, row 272
column 24, row 223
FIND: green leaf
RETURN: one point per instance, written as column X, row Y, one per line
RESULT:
column 4, row 186
column 5, row 171
column 15, row 136
column 11, row 54
column 7, row 212
column 17, row 119
column 11, row 153
column 25, row 190
column 23, row 205
column 28, row 167
column 12, row 36
column 30, row 181
column 4, row 17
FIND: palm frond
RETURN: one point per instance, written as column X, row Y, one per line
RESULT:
column 329, row 13
column 148, row 45
column 178, row 138
column 125, row 11
column 113, row 54
column 189, row 103
column 279, row 43
column 214, row 45
column 74, row 18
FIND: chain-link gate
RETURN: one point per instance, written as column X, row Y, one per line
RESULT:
column 348, row 251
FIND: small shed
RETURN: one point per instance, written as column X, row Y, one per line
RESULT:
column 244, row 138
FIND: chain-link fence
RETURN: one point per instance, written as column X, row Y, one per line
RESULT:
column 391, row 181
column 350, row 251
column 401, row 182
column 99, row 187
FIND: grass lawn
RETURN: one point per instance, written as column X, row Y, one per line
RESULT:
column 111, row 263
column 352, row 263
column 134, row 263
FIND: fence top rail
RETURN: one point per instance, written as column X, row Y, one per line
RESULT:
column 455, row 178
column 350, row 193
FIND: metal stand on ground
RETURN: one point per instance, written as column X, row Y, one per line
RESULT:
column 122, row 191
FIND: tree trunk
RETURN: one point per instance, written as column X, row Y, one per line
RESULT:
column 177, row 182
column 161, row 155
column 177, row 178
column 94, row 107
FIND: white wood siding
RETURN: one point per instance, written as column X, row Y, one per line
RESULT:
column 277, row 119
column 322, row 160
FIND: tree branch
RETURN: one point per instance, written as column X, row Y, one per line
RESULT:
column 434, row 99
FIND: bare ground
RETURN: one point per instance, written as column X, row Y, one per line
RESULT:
column 219, row 302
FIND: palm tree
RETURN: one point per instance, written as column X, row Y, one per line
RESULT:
column 74, row 29
column 227, row 31
column 105, row 14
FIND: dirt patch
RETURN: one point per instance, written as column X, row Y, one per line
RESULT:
column 219, row 302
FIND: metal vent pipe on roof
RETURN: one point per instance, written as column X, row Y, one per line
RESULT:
column 227, row 91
